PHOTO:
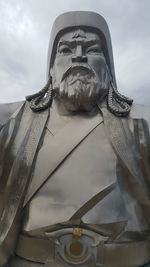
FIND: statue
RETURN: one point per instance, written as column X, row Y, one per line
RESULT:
column 74, row 162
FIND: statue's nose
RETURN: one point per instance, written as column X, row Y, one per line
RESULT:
column 79, row 57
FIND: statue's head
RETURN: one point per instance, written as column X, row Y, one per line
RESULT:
column 80, row 67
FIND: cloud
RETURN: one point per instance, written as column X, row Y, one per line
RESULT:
column 25, row 29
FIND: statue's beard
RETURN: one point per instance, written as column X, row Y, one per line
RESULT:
column 80, row 88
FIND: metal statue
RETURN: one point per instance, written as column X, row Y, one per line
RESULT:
column 75, row 161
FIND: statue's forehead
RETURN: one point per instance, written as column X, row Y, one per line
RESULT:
column 79, row 34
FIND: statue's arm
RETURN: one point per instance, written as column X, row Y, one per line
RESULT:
column 6, row 112
column 141, row 128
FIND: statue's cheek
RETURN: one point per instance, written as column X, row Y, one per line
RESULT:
column 62, row 61
column 97, row 63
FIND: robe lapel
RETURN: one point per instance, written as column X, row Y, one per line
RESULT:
column 123, row 143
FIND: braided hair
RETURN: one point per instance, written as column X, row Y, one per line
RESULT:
column 117, row 103
column 43, row 99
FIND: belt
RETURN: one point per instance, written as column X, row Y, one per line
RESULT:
column 102, row 252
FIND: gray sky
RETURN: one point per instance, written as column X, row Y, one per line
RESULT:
column 25, row 27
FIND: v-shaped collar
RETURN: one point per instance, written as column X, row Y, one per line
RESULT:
column 58, row 147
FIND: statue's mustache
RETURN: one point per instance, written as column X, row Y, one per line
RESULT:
column 72, row 80
column 79, row 71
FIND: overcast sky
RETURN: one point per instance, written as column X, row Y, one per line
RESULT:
column 25, row 27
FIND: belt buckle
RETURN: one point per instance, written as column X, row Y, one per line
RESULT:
column 78, row 247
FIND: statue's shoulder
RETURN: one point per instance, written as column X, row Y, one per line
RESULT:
column 7, row 110
column 139, row 111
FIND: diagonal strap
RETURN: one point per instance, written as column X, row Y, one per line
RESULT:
column 58, row 148
column 111, row 229
column 92, row 202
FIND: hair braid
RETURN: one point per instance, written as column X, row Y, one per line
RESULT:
column 43, row 99
column 118, row 104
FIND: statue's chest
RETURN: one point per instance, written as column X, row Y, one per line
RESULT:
column 89, row 169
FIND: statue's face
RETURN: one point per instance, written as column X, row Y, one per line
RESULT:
column 79, row 74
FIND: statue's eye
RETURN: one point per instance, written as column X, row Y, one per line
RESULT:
column 64, row 50
column 94, row 50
